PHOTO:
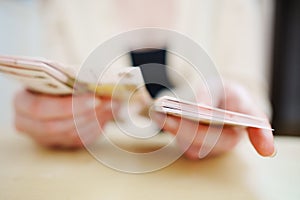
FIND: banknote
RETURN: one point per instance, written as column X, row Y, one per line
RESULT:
column 49, row 77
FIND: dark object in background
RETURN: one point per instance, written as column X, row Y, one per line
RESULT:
column 286, row 68
column 154, row 73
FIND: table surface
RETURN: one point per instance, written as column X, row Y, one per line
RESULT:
column 28, row 171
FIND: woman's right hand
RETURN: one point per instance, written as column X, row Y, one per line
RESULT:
column 49, row 119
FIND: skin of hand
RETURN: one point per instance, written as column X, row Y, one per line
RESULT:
column 235, row 99
column 49, row 119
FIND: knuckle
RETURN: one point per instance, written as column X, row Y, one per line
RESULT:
column 43, row 142
column 76, row 141
column 18, row 101
column 37, row 108
column 28, row 103
column 50, row 128
column 74, row 137
column 19, row 127
column 192, row 155
column 232, row 137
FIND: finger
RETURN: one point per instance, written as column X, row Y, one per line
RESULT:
column 74, row 138
column 87, row 134
column 108, row 108
column 192, row 153
column 157, row 117
column 52, row 128
column 211, row 141
column 262, row 140
column 229, row 138
column 48, row 128
column 173, row 124
column 238, row 100
column 56, row 133
column 42, row 106
column 187, row 132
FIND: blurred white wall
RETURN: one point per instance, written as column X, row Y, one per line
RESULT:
column 19, row 35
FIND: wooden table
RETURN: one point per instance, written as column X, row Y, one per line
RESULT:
column 28, row 171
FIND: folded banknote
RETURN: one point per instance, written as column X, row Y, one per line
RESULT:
column 45, row 76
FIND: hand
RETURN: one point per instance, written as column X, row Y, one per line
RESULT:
column 236, row 99
column 49, row 119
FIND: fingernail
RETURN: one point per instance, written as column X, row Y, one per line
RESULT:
column 274, row 153
column 92, row 103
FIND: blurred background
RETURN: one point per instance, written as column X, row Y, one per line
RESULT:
column 22, row 31
column 19, row 34
column 285, row 84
